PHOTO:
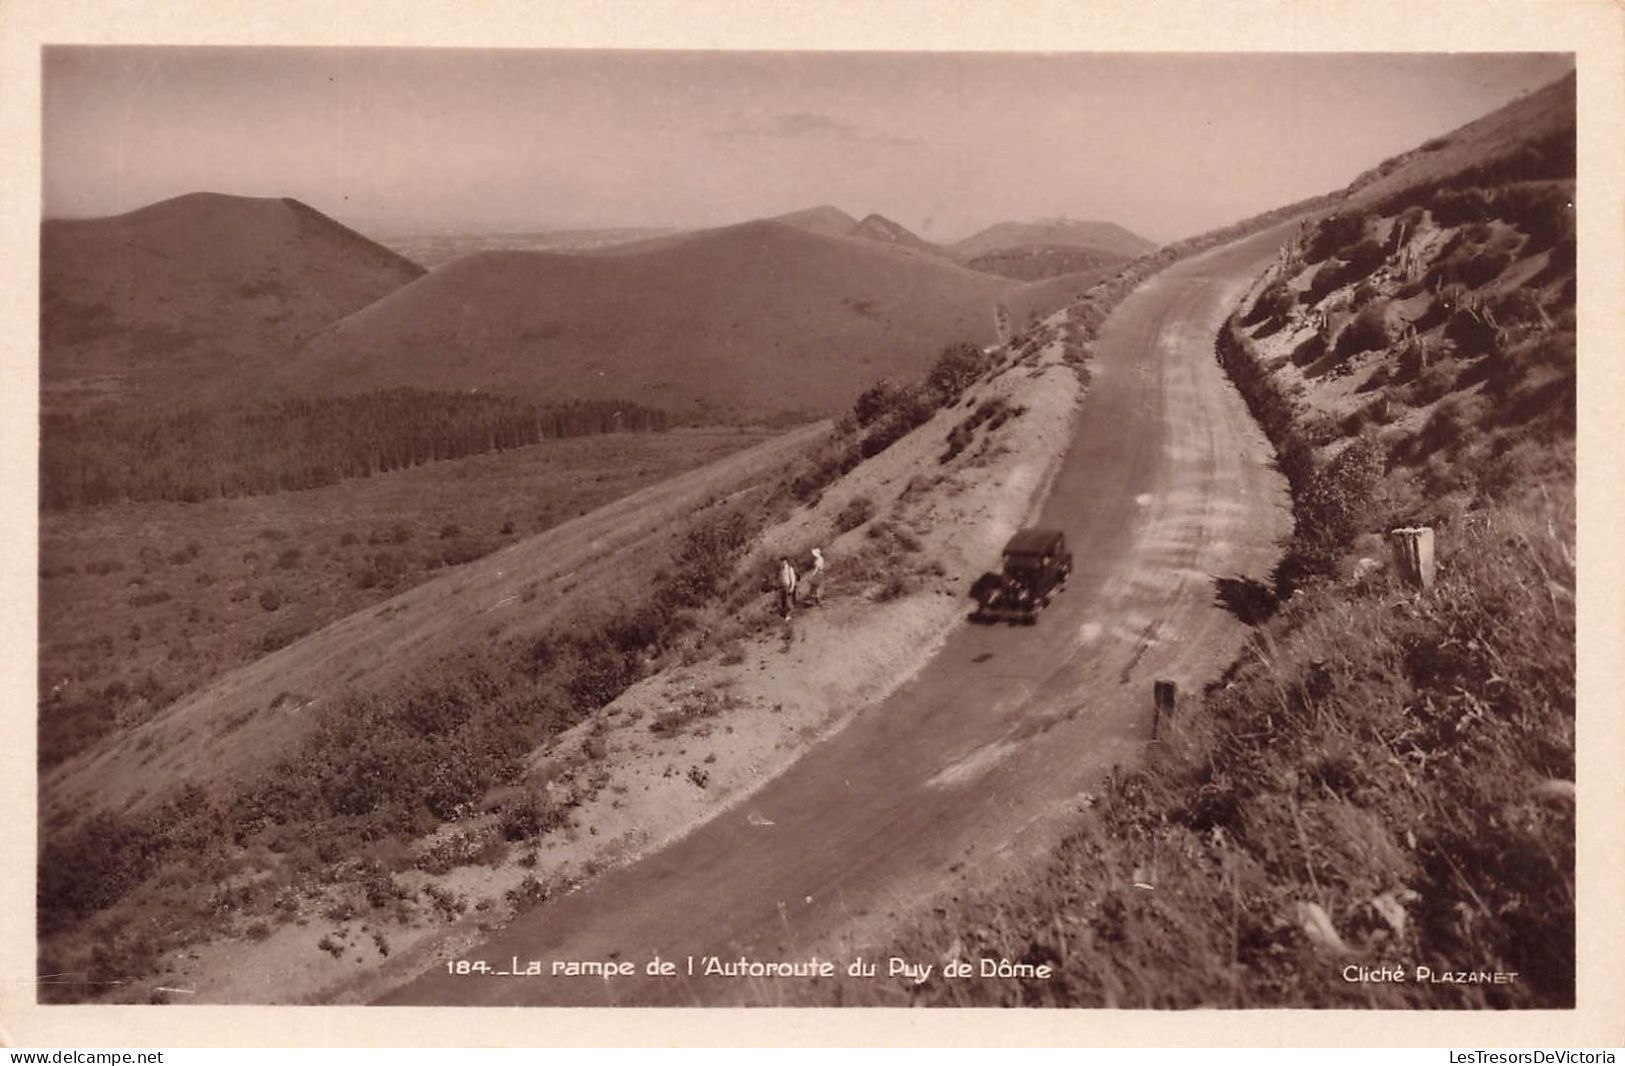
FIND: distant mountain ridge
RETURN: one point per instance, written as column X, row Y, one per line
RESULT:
column 833, row 222
column 762, row 320
column 210, row 298
column 1026, row 251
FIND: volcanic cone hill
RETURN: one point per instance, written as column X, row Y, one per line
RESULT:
column 1106, row 238
column 759, row 320
column 882, row 229
column 824, row 219
column 175, row 300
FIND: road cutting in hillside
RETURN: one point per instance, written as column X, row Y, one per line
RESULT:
column 976, row 763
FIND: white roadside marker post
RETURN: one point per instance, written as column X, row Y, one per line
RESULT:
column 1413, row 554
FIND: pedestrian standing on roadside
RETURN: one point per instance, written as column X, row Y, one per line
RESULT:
column 787, row 587
column 815, row 578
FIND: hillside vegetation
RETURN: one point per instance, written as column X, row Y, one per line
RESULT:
column 1386, row 777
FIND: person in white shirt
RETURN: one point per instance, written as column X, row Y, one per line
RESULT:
column 815, row 578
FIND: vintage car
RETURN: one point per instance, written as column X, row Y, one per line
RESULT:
column 1036, row 563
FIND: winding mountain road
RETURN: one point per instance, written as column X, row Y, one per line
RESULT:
column 975, row 765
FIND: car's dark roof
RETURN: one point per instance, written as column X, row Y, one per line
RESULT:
column 1034, row 542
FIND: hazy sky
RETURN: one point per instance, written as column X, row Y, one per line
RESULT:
column 1165, row 144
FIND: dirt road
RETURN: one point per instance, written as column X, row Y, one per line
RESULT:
column 976, row 764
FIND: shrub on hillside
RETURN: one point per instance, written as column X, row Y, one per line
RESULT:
column 280, row 636
column 94, row 867
column 1430, row 383
column 530, row 817
column 1455, row 207
column 954, row 370
column 992, row 412
column 388, row 567
column 1481, row 267
column 1361, row 259
column 1309, row 349
column 854, row 514
column 907, row 409
column 1519, row 307
column 1367, row 332
column 1470, row 332
column 705, row 561
column 1404, row 227
column 876, row 401
column 1446, row 429
column 1273, row 303
column 1382, row 410
column 1336, row 502
column 1326, row 278
column 456, row 552
column 1336, row 232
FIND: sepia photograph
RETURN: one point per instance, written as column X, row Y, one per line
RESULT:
column 671, row 527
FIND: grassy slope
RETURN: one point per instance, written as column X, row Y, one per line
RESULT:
column 232, row 727
column 1386, row 777
column 164, row 300
column 141, row 604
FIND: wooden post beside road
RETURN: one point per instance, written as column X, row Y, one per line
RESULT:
column 1166, row 696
